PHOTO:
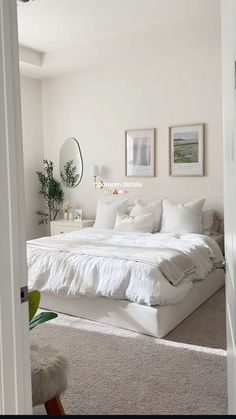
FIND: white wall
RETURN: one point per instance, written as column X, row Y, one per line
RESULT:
column 31, row 104
column 160, row 77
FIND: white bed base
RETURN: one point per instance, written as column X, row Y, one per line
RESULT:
column 156, row 321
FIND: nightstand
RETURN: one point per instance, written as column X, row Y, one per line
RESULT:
column 66, row 226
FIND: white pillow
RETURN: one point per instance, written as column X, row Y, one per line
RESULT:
column 207, row 220
column 182, row 218
column 107, row 211
column 155, row 207
column 141, row 223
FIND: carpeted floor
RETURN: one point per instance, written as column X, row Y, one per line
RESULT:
column 206, row 326
column 115, row 371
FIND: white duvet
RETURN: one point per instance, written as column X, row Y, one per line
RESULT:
column 145, row 268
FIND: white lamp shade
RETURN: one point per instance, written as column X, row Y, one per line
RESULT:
column 96, row 170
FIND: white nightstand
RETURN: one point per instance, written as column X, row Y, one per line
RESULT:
column 65, row 226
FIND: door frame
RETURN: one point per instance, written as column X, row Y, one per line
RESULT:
column 228, row 53
column 15, row 377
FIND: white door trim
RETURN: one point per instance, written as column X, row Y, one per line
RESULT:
column 228, row 52
column 15, row 383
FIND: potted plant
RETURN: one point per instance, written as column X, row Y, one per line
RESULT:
column 44, row 316
column 51, row 191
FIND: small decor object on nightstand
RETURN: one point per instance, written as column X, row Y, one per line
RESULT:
column 71, row 215
column 78, row 215
column 66, row 208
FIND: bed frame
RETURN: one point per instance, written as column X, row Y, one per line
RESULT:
column 156, row 321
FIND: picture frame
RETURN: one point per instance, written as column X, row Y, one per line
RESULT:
column 140, row 152
column 187, row 150
column 78, row 215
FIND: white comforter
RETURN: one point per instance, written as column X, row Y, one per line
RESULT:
column 145, row 268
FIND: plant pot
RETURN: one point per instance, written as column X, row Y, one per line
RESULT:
column 66, row 215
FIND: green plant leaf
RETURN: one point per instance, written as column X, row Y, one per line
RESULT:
column 34, row 299
column 43, row 317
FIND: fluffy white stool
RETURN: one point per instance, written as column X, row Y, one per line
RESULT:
column 49, row 378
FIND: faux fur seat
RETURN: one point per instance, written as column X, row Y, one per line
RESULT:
column 49, row 378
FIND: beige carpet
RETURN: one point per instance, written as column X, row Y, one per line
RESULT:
column 115, row 371
column 206, row 326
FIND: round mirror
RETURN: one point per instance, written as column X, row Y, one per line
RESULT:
column 71, row 163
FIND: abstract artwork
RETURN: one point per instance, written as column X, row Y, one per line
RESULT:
column 140, row 152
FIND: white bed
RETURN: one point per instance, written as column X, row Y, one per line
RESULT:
column 145, row 313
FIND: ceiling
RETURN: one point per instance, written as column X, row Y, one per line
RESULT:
column 52, row 25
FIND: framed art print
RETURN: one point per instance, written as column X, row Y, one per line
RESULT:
column 78, row 215
column 186, row 150
column 140, row 152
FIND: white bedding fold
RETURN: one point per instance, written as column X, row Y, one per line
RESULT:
column 174, row 264
column 146, row 268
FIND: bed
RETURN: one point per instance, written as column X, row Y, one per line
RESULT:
column 155, row 321
column 143, row 282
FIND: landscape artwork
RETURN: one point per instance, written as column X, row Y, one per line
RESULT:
column 187, row 150
column 186, row 147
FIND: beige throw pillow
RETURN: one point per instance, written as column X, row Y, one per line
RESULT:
column 141, row 223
